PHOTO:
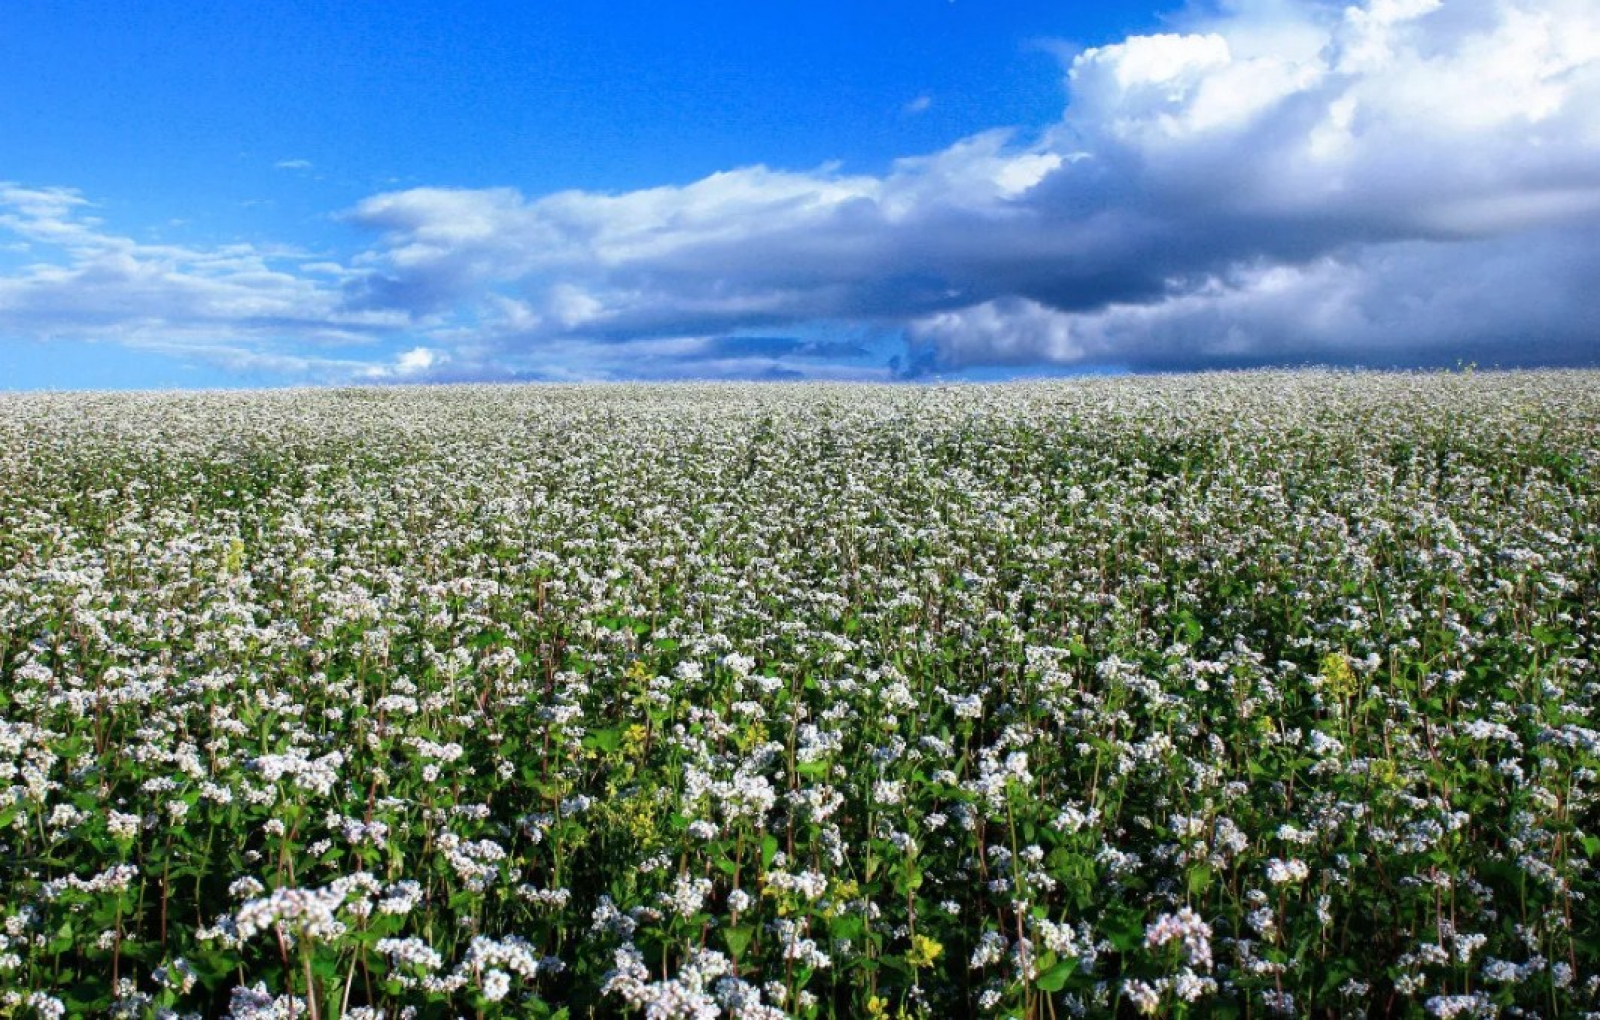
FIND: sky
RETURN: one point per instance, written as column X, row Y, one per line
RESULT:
column 264, row 193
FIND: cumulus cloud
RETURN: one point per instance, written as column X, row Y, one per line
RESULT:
column 1278, row 181
column 1282, row 181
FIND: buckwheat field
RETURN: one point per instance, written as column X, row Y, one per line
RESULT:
column 1231, row 695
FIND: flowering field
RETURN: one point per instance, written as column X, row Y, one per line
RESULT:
column 1230, row 695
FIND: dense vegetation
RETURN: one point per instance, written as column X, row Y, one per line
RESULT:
column 1226, row 695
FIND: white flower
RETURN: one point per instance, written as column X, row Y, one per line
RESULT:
column 1186, row 927
column 301, row 911
column 410, row 952
column 496, row 984
column 1144, row 997
column 1281, row 872
column 703, row 830
column 122, row 826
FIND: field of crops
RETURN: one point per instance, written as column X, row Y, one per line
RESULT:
column 1234, row 695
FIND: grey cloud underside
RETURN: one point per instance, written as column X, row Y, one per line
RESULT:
column 1514, row 302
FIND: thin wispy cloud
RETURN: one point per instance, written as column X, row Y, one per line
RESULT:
column 1399, row 182
column 244, row 306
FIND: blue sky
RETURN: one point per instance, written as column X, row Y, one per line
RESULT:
column 263, row 193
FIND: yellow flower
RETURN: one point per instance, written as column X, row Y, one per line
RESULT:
column 1338, row 675
column 923, row 951
column 633, row 739
column 877, row 1006
column 750, row 736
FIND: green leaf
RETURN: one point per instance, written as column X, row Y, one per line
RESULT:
column 1192, row 630
column 1546, row 635
column 846, row 926
column 1055, row 979
column 326, row 968
column 897, row 965
column 738, row 939
column 62, row 940
column 1125, row 927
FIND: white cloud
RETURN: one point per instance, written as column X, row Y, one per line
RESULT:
column 239, row 305
column 1282, row 180
column 416, row 360
column 1277, row 141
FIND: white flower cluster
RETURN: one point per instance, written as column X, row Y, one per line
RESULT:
column 1186, row 928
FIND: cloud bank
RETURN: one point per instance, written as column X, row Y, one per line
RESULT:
column 1280, row 181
